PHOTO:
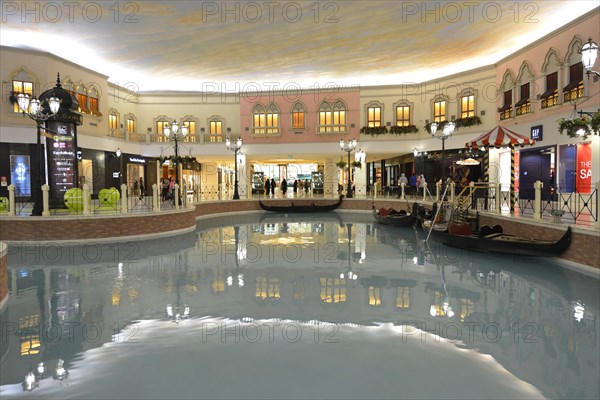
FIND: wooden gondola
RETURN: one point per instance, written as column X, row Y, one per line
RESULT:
column 395, row 218
column 492, row 239
column 301, row 208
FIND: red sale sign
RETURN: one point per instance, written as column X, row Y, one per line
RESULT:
column 584, row 168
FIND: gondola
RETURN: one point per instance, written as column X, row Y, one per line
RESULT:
column 395, row 218
column 492, row 239
column 301, row 208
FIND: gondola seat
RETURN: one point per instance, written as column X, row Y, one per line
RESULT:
column 463, row 229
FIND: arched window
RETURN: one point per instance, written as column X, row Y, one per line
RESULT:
column 524, row 82
column 265, row 121
column 574, row 88
column 374, row 114
column 298, row 116
column 160, row 123
column 82, row 98
column 467, row 103
column 94, row 99
column 131, row 123
column 507, row 95
column 403, row 113
column 113, row 122
column 216, row 129
column 440, row 108
column 332, row 118
column 22, row 82
column 191, row 124
column 550, row 68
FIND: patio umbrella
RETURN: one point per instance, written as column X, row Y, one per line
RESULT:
column 501, row 137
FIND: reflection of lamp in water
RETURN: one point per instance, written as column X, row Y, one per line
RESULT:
column 351, row 275
column 174, row 313
column 30, row 382
column 578, row 310
column 61, row 372
column 446, row 307
column 240, row 253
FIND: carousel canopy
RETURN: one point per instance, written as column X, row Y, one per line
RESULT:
column 500, row 137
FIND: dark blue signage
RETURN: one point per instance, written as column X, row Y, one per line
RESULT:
column 537, row 133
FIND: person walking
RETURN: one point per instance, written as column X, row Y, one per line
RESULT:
column 402, row 180
column 142, row 188
column 273, row 185
column 413, row 184
column 283, row 187
column 267, row 186
column 295, row 186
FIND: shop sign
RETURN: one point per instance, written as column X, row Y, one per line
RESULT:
column 137, row 160
column 537, row 133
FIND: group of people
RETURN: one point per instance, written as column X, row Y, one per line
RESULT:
column 167, row 189
column 139, row 189
column 270, row 186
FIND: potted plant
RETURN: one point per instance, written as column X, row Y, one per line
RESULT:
column 403, row 130
column 440, row 126
column 373, row 130
column 467, row 121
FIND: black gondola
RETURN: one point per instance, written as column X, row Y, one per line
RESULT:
column 395, row 218
column 494, row 240
column 301, row 208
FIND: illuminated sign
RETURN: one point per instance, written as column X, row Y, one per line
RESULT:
column 537, row 132
column 61, row 158
column 137, row 160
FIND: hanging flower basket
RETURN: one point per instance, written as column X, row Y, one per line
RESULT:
column 356, row 164
column 574, row 128
column 373, row 130
column 341, row 164
column 403, row 130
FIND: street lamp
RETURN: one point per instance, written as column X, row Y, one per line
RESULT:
column 175, row 134
column 444, row 134
column 589, row 52
column 235, row 149
column 38, row 111
column 348, row 147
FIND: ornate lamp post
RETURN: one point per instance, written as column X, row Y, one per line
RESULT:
column 348, row 147
column 444, row 134
column 38, row 111
column 589, row 52
column 176, row 134
column 235, row 149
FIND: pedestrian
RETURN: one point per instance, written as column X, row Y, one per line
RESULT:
column 283, row 187
column 273, row 185
column 402, row 180
column 413, row 184
column 267, row 186
column 142, row 188
column 418, row 185
column 295, row 186
column 306, row 185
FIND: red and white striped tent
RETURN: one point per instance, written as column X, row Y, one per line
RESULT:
column 500, row 137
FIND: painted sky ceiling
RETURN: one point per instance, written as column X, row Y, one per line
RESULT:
column 239, row 45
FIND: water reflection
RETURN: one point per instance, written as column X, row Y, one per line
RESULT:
column 537, row 320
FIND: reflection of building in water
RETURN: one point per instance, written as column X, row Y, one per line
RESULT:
column 548, row 335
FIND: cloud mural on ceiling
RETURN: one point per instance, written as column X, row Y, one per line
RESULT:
column 187, row 45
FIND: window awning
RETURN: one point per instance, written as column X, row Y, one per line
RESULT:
column 572, row 85
column 504, row 108
column 522, row 102
column 548, row 93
